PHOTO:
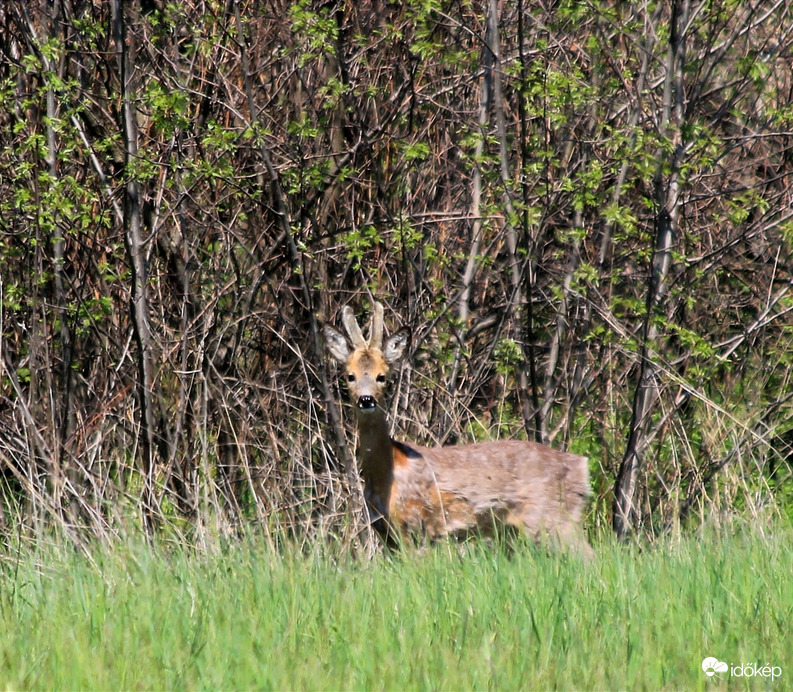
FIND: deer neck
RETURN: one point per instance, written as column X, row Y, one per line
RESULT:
column 376, row 458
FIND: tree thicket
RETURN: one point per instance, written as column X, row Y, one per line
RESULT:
column 582, row 208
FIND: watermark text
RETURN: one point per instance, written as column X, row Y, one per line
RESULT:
column 713, row 667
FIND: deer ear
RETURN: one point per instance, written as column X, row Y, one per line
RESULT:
column 336, row 343
column 396, row 346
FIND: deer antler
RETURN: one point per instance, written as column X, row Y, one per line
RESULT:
column 353, row 330
column 376, row 330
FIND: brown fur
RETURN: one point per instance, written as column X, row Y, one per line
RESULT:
column 455, row 490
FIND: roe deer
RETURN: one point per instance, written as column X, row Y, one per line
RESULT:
column 457, row 489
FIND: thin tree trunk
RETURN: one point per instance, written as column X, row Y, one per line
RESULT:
column 135, row 247
column 532, row 415
column 63, row 415
column 667, row 192
column 464, row 302
column 535, row 417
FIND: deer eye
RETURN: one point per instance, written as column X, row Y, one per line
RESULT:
column 380, row 377
column 350, row 378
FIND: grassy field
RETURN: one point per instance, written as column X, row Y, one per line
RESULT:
column 473, row 617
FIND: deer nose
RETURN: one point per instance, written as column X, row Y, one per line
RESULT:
column 366, row 403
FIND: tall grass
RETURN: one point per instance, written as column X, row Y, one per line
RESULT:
column 449, row 617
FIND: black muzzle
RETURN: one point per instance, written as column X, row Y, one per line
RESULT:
column 367, row 403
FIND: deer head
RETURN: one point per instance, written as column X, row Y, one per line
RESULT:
column 366, row 362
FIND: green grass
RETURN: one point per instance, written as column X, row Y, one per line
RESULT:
column 477, row 617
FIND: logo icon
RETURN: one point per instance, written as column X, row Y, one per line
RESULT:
column 711, row 666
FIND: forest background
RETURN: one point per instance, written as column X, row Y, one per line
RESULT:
column 583, row 209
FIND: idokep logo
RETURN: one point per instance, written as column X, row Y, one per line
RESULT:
column 711, row 666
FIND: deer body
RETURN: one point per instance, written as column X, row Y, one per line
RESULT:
column 459, row 489
column 454, row 490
